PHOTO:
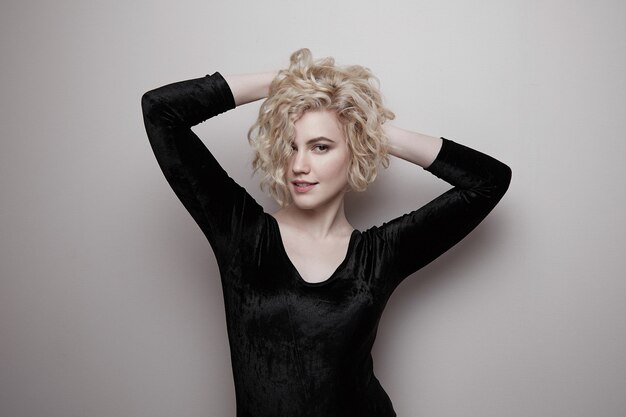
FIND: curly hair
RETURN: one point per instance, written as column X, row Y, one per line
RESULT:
column 352, row 92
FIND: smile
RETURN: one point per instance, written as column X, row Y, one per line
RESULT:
column 303, row 186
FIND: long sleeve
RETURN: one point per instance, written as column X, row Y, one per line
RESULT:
column 417, row 238
column 221, row 207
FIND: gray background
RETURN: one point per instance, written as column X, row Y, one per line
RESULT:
column 110, row 301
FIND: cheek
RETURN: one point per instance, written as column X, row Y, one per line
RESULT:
column 337, row 167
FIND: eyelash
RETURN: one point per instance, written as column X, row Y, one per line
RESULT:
column 320, row 146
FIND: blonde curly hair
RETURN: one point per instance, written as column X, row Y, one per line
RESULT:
column 352, row 92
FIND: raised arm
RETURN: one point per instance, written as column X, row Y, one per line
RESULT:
column 219, row 206
column 417, row 238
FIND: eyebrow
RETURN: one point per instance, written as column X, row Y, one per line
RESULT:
column 319, row 139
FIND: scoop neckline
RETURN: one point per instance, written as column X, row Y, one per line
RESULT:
column 297, row 274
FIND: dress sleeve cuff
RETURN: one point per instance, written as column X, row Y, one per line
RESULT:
column 226, row 99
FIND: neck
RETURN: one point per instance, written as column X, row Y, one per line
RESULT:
column 320, row 222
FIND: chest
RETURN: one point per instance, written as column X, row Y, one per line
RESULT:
column 315, row 260
column 313, row 315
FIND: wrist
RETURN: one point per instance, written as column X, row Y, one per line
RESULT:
column 247, row 88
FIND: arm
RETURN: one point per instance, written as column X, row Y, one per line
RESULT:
column 219, row 206
column 417, row 238
column 247, row 88
column 412, row 146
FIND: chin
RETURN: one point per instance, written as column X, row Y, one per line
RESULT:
column 302, row 205
column 312, row 201
column 305, row 202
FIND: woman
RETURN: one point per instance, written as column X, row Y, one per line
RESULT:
column 303, row 290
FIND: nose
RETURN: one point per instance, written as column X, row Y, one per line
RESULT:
column 300, row 162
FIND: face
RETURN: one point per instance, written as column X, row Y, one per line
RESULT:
column 317, row 175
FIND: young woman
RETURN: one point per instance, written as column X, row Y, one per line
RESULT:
column 303, row 290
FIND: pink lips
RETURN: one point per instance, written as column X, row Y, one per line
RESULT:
column 303, row 186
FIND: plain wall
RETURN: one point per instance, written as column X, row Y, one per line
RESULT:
column 110, row 300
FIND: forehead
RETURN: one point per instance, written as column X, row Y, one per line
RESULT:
column 316, row 123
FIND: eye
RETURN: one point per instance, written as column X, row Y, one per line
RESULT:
column 320, row 147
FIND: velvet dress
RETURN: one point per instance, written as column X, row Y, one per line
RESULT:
column 299, row 348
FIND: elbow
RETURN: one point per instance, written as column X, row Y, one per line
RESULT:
column 502, row 177
column 147, row 103
column 155, row 109
column 500, row 181
column 505, row 178
column 496, row 185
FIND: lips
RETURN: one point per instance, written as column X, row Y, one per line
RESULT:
column 303, row 186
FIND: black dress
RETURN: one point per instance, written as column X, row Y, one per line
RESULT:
column 300, row 348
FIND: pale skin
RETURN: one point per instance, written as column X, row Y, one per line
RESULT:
column 314, row 228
